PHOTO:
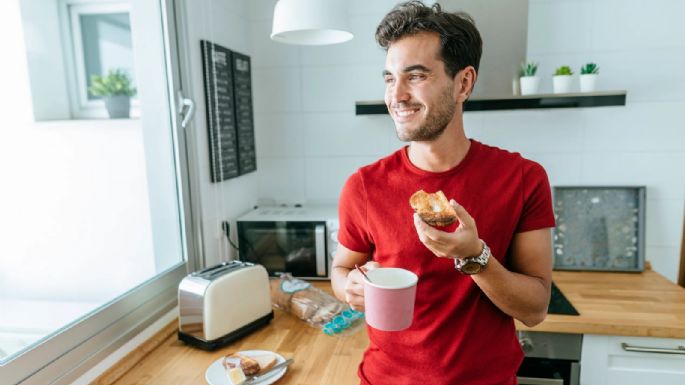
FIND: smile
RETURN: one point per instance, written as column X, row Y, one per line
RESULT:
column 405, row 113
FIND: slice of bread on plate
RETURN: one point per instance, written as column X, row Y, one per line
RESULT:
column 265, row 361
column 433, row 209
column 249, row 366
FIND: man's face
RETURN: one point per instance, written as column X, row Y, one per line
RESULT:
column 418, row 93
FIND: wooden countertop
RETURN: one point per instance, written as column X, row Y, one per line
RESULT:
column 630, row 304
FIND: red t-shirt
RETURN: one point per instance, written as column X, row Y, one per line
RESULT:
column 458, row 336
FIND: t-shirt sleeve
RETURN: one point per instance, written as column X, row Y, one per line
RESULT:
column 538, row 212
column 353, row 232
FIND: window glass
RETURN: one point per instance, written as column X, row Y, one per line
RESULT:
column 90, row 209
column 106, row 42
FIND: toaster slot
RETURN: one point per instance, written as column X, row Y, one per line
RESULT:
column 218, row 270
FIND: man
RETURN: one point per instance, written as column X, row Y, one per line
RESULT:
column 463, row 330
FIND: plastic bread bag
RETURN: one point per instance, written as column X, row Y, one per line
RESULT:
column 316, row 307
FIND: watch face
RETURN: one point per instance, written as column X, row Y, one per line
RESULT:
column 471, row 267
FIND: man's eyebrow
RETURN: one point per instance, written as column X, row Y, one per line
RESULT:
column 415, row 67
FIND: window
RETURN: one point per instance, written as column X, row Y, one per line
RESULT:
column 95, row 213
column 99, row 39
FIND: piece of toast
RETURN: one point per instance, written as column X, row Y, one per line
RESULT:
column 265, row 361
column 433, row 209
column 247, row 364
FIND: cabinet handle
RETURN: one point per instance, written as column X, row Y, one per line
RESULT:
column 539, row 381
column 644, row 349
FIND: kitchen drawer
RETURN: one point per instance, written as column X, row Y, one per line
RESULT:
column 608, row 360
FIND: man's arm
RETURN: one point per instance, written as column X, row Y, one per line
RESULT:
column 523, row 292
column 346, row 281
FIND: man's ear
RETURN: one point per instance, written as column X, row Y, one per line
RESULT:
column 464, row 81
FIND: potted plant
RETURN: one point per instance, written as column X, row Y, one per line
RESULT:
column 562, row 80
column 528, row 81
column 588, row 77
column 116, row 89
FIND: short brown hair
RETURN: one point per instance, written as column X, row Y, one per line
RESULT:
column 460, row 42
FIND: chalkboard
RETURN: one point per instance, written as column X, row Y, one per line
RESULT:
column 217, row 64
column 242, row 86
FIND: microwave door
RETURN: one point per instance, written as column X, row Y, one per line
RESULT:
column 320, row 241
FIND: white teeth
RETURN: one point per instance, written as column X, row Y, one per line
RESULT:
column 405, row 113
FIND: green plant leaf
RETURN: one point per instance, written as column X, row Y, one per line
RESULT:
column 589, row 68
column 116, row 82
column 528, row 69
column 563, row 70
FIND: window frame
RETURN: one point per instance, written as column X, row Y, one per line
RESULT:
column 68, row 353
column 72, row 45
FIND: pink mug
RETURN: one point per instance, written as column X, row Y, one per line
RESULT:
column 389, row 296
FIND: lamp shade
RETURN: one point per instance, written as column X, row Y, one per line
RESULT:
column 310, row 22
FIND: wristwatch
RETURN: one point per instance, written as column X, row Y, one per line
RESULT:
column 473, row 265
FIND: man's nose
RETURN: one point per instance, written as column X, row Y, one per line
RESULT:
column 399, row 92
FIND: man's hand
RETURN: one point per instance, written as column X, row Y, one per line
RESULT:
column 354, row 286
column 461, row 243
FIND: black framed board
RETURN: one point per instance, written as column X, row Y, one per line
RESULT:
column 242, row 86
column 228, row 100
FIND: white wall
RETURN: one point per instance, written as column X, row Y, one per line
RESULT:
column 225, row 23
column 309, row 140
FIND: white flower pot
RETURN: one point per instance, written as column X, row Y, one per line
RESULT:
column 562, row 84
column 588, row 82
column 529, row 85
column 118, row 106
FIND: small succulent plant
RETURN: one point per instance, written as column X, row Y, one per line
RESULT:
column 563, row 70
column 528, row 69
column 116, row 82
column 589, row 68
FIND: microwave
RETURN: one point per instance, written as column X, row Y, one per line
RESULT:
column 296, row 240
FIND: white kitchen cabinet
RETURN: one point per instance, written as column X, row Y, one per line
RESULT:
column 605, row 361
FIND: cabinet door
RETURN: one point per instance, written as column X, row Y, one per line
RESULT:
column 608, row 360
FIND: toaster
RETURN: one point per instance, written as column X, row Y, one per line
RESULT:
column 222, row 303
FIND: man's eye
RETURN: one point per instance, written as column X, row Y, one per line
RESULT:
column 388, row 80
column 416, row 77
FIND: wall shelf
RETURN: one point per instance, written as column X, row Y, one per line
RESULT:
column 573, row 100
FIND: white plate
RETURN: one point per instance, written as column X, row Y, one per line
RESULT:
column 216, row 374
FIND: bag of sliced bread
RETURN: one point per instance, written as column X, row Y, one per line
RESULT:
column 314, row 306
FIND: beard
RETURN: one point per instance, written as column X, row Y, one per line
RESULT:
column 435, row 123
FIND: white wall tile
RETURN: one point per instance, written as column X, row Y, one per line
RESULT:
column 267, row 53
column 661, row 215
column 560, row 26
column 282, row 179
column 375, row 7
column 343, row 134
column 634, row 24
column 563, row 169
column 279, row 134
column 534, row 131
column 647, row 74
column 336, row 88
column 261, row 9
column 361, row 50
column 662, row 173
column 664, row 260
column 326, row 176
column 276, row 90
column 635, row 127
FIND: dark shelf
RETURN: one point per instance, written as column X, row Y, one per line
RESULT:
column 575, row 100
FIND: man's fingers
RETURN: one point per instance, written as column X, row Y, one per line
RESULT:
column 371, row 265
column 427, row 231
column 462, row 215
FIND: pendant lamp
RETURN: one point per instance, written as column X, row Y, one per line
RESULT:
column 310, row 22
